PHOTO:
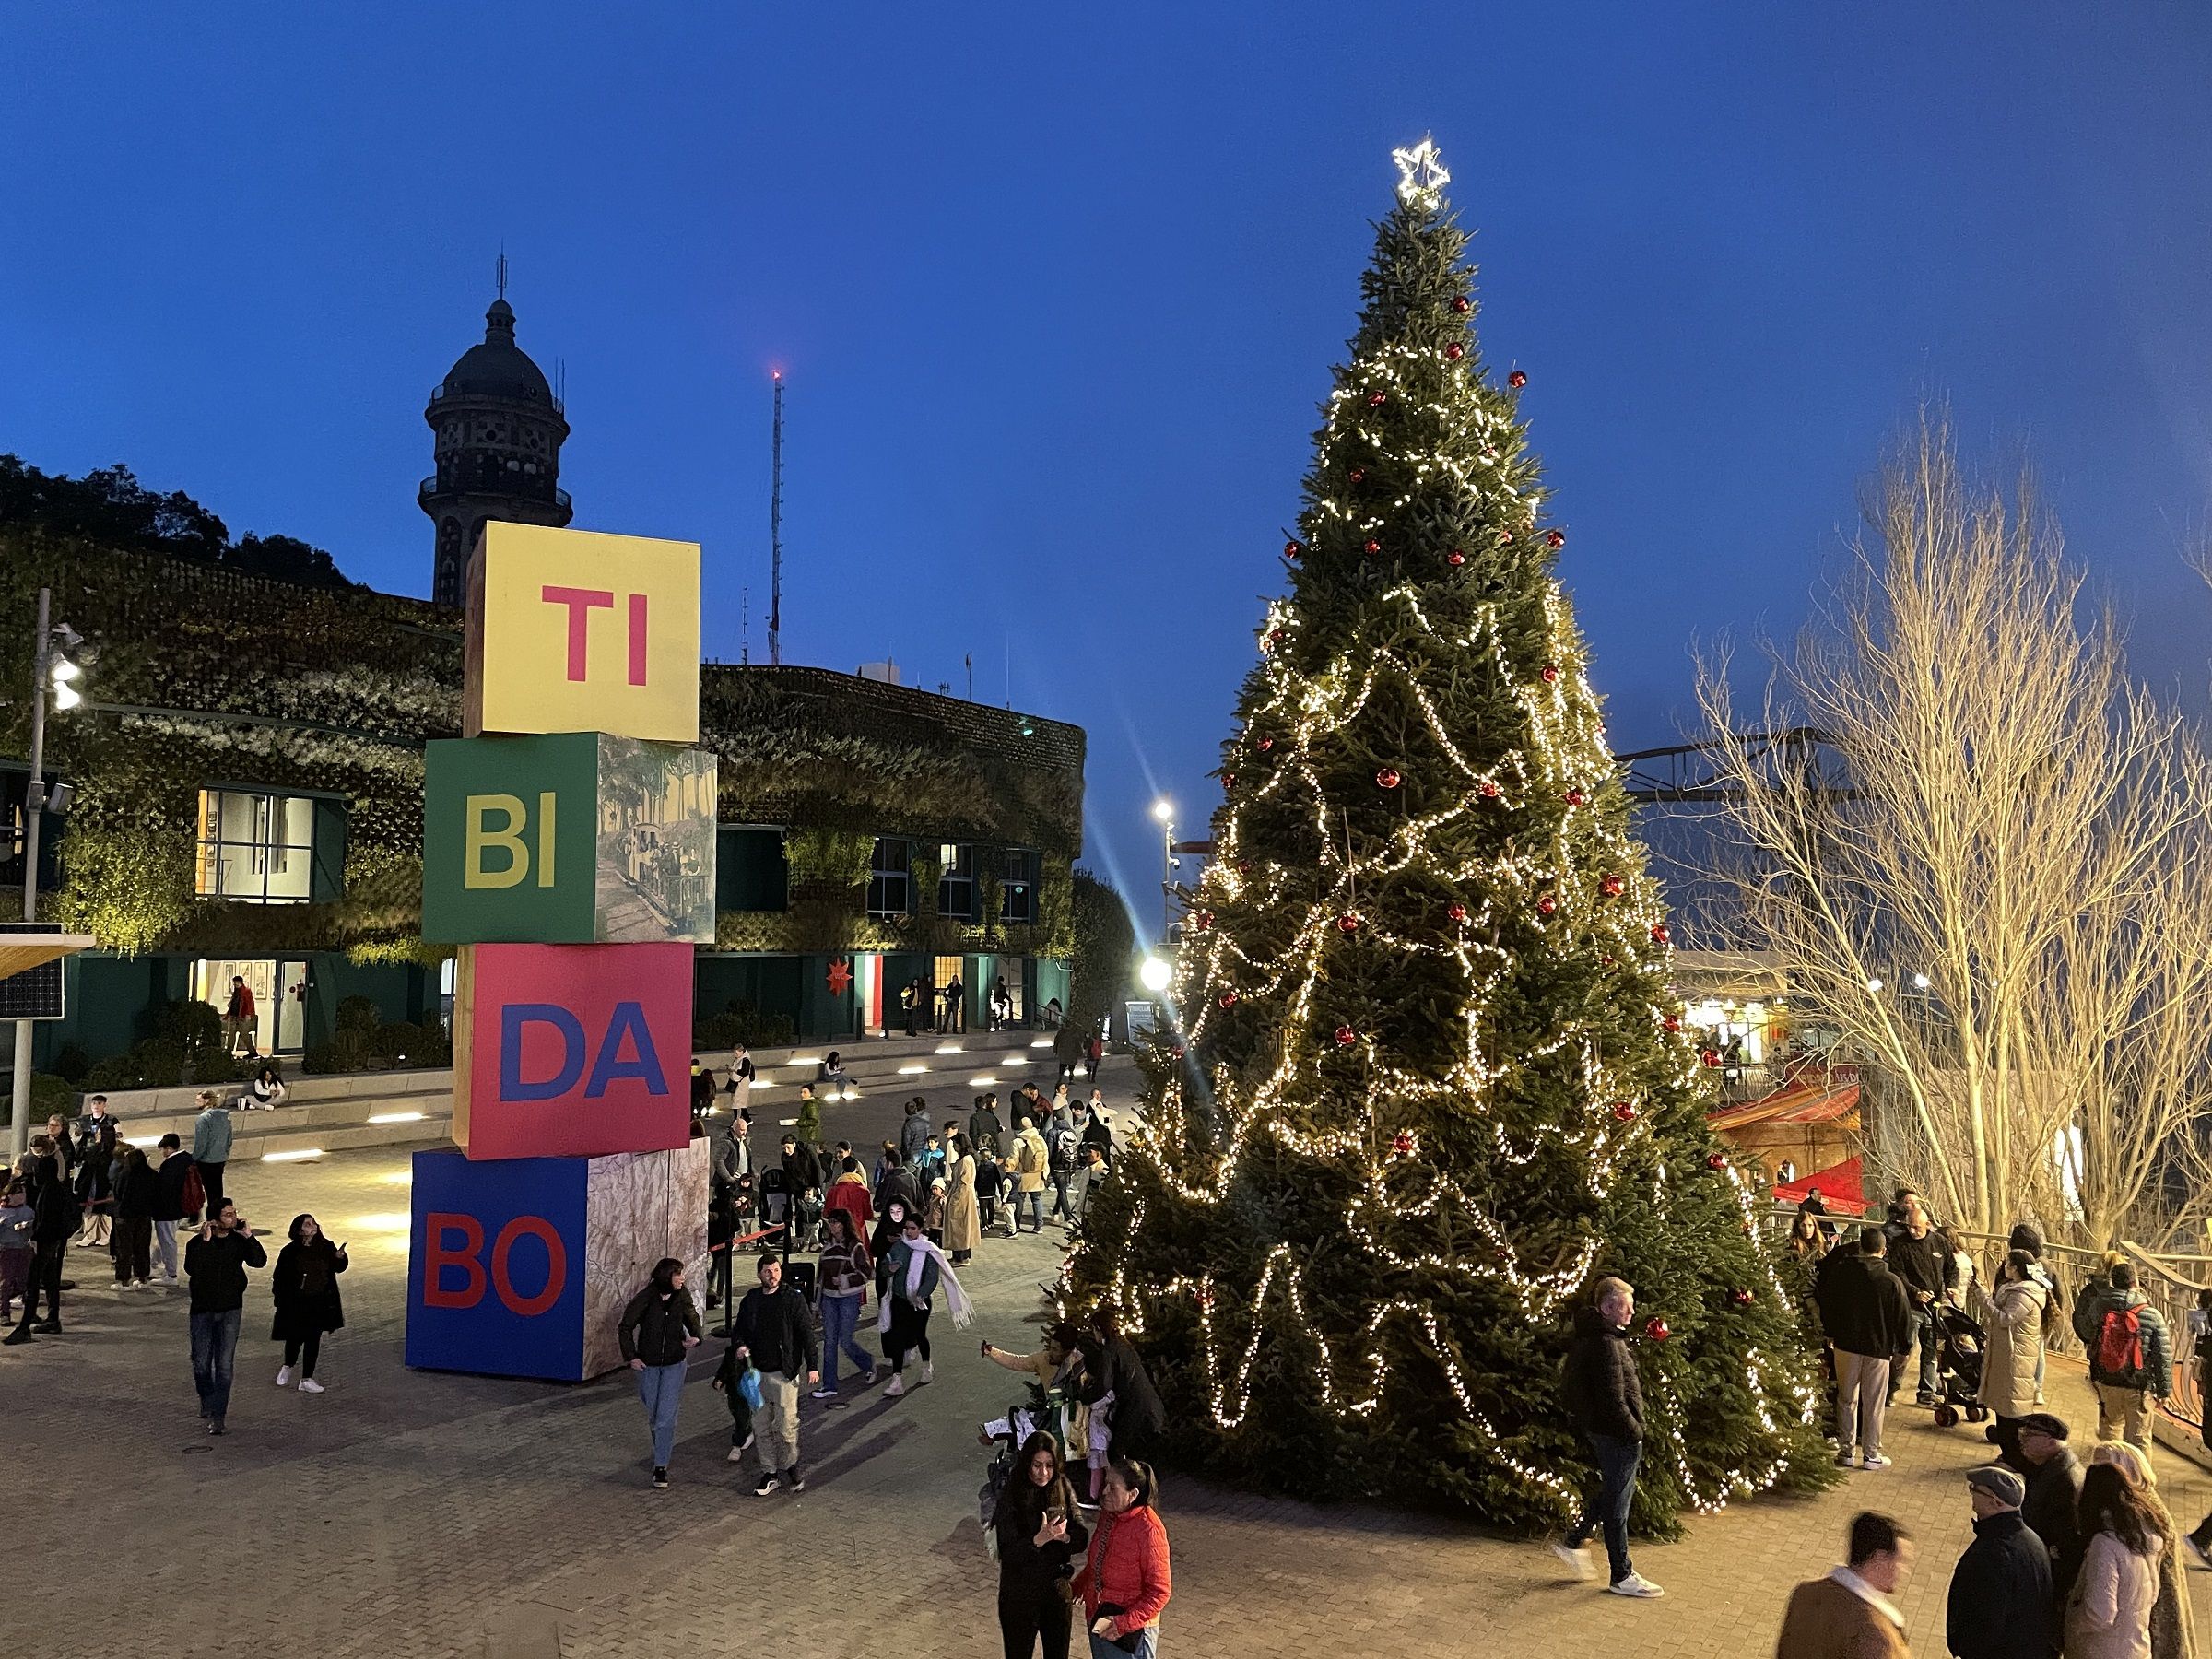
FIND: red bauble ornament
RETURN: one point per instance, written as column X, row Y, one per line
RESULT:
column 1359, row 475
column 1550, row 672
column 1266, row 744
column 1402, row 1143
column 1276, row 636
column 1575, row 797
column 1655, row 1328
column 1229, row 781
column 1348, row 922
column 1625, row 1111
column 1742, row 1299
column 1673, row 1022
column 1455, row 558
column 1227, row 999
column 1490, row 790
column 1373, row 546
column 1546, row 904
column 1716, row 1161
column 1244, row 867
column 1604, row 962
column 1463, row 305
column 1346, row 1036
column 1375, row 400
column 1458, row 912
column 1659, row 934
column 1293, row 550
column 1612, row 887
column 1516, row 380
column 1709, row 1057
column 1505, row 535
column 1204, row 919
column 1177, row 1051
column 1387, row 779
column 1555, row 539
column 1455, row 351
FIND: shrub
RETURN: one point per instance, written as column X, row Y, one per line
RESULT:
column 741, row 1022
column 49, row 1094
column 71, row 1061
column 358, row 1014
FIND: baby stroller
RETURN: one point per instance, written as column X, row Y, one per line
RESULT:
column 1958, row 1363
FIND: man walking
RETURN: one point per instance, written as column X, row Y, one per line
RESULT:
column 2131, row 1358
column 1605, row 1397
column 2001, row 1606
column 216, row 1261
column 776, row 1333
column 1849, row 1614
column 211, row 1144
column 1868, row 1320
column 1918, row 1258
column 241, row 1023
column 2051, row 1508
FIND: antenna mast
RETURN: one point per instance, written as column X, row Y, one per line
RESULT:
column 744, row 625
column 775, row 530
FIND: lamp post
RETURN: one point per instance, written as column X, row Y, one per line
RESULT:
column 1163, row 814
column 34, row 806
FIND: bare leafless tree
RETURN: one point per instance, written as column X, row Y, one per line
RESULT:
column 2004, row 909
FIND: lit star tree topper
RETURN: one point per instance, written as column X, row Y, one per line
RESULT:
column 1381, row 1165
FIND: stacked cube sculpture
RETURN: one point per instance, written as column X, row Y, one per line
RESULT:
column 568, row 853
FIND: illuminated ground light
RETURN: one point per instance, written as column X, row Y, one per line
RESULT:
column 948, row 1048
column 1040, row 1042
column 141, row 1140
column 908, row 1071
column 304, row 1152
column 983, row 1082
column 397, row 1117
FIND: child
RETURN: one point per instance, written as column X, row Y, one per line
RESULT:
column 729, row 1377
column 986, row 1187
column 16, row 1248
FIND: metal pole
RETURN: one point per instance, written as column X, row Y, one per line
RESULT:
column 1167, row 884
column 775, row 530
column 34, row 806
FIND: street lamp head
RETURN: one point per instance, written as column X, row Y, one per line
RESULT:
column 1874, row 984
column 1920, row 981
column 1163, row 809
column 1155, row 974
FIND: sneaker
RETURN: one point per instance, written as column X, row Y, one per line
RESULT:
column 16, row 1338
column 747, row 1443
column 309, row 1385
column 767, row 1486
column 47, row 1327
column 1844, row 1460
column 143, row 1284
column 1635, row 1584
column 895, row 1387
column 1577, row 1557
column 284, row 1376
column 823, row 1394
column 214, row 1425
column 793, row 1479
column 660, row 1480
column 1925, row 1397
column 1875, row 1460
column 737, row 1453
column 929, row 1372
column 868, row 1378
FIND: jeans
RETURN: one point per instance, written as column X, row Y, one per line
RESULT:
column 165, row 1243
column 1036, row 1203
column 1925, row 1333
column 662, row 1389
column 1617, row 1459
column 214, row 1347
column 1059, row 1179
column 841, row 1317
column 1147, row 1645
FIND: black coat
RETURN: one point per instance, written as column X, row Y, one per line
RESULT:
column 1027, row 1573
column 169, row 1205
column 2001, row 1606
column 1603, row 1393
column 778, row 1331
column 1864, row 1307
column 653, row 1326
column 2054, row 1492
column 1116, row 1367
column 305, row 1285
column 138, row 1192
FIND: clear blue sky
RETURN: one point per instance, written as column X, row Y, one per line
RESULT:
column 1057, row 290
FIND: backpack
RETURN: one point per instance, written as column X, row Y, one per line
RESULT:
column 192, row 1193
column 2119, row 1356
column 1065, row 1145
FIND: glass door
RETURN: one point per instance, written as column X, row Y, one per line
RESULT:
column 292, row 1007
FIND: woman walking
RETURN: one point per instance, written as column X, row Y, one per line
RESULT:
column 305, row 1284
column 917, row 1268
column 2012, row 1314
column 1124, row 1582
column 1039, row 1534
column 2172, row 1627
column 658, row 1329
column 137, row 1196
column 842, row 1273
column 2108, row 1614
column 963, row 1225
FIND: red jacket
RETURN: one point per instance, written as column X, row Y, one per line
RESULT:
column 1127, row 1569
column 852, row 1197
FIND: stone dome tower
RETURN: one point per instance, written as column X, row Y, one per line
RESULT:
column 498, row 429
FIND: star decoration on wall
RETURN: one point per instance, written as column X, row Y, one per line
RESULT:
column 1422, row 175
column 841, row 976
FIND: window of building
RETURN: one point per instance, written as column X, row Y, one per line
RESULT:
column 887, row 879
column 956, row 886
column 1017, row 901
column 258, row 849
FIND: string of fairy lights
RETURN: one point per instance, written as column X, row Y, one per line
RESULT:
column 1329, row 1090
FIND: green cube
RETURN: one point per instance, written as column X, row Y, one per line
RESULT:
column 574, row 838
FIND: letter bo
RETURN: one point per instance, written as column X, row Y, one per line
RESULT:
column 571, row 1050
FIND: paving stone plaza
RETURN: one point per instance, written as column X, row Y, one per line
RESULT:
column 414, row 1513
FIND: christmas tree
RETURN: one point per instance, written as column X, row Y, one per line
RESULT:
column 1427, row 1085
